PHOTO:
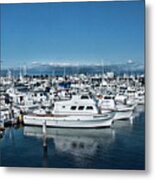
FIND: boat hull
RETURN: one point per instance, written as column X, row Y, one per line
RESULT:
column 71, row 121
column 123, row 115
column 122, row 112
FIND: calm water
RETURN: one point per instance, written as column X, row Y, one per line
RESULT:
column 119, row 147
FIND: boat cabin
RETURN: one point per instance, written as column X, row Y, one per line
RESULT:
column 79, row 105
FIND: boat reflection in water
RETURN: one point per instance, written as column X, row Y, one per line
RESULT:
column 73, row 148
column 79, row 147
column 77, row 143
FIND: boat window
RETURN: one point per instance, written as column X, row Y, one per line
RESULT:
column 73, row 107
column 84, row 97
column 43, row 107
column 131, row 91
column 63, row 107
column 108, row 97
column 81, row 108
column 89, row 108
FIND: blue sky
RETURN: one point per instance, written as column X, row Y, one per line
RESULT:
column 112, row 32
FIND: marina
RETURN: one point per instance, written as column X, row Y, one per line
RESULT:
column 81, row 101
column 86, row 121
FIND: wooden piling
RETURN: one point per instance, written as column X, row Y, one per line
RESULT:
column 44, row 134
column 45, row 154
column 131, row 120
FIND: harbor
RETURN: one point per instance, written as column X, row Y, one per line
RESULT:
column 82, row 101
column 84, row 120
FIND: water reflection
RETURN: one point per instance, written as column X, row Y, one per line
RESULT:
column 79, row 143
column 131, row 120
column 138, row 111
column 10, row 135
column 121, row 146
column 121, row 124
column 45, row 156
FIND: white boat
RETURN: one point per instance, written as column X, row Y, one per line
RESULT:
column 140, row 97
column 21, row 100
column 121, row 111
column 4, row 114
column 131, row 94
column 80, row 112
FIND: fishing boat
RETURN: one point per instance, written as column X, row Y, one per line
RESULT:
column 81, row 111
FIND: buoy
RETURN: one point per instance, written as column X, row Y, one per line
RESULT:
column 20, row 118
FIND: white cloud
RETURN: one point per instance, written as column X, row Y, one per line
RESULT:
column 130, row 61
